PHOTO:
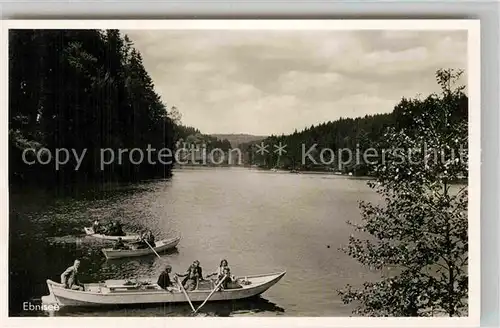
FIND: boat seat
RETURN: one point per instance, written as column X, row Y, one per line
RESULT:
column 233, row 285
column 206, row 285
column 125, row 287
column 122, row 285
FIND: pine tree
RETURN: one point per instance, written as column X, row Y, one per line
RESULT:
column 82, row 89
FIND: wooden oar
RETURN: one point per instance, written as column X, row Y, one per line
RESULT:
column 152, row 248
column 213, row 291
column 178, row 282
column 185, row 294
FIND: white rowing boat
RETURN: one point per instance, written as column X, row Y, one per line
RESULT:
column 90, row 232
column 160, row 246
column 113, row 292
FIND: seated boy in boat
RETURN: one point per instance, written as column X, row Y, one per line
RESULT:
column 69, row 278
column 164, row 280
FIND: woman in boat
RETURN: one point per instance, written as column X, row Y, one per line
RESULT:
column 220, row 270
column 193, row 276
column 69, row 278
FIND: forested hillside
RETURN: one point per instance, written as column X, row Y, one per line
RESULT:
column 238, row 139
column 82, row 89
column 346, row 133
column 87, row 90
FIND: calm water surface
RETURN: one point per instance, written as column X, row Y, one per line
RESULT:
column 261, row 222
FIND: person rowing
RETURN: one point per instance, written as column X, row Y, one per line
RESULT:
column 219, row 273
column 151, row 239
column 144, row 239
column 229, row 281
column 140, row 242
column 193, row 276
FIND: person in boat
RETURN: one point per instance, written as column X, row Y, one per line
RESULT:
column 141, row 241
column 219, row 273
column 116, row 229
column 69, row 278
column 229, row 281
column 96, row 226
column 151, row 239
column 119, row 245
column 164, row 279
column 192, row 276
column 119, row 229
column 108, row 230
column 197, row 267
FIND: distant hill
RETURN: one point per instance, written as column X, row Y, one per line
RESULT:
column 238, row 139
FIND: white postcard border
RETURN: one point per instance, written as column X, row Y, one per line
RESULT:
column 474, row 213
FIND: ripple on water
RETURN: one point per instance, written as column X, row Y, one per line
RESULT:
column 260, row 222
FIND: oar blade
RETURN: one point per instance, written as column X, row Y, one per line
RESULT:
column 213, row 291
column 185, row 294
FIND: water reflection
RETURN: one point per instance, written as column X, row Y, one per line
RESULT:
column 250, row 306
column 260, row 222
column 253, row 305
column 127, row 268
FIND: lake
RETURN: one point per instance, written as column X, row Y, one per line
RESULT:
column 260, row 221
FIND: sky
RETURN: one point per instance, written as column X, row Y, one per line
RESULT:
column 273, row 82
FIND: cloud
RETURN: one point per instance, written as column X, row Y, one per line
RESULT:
column 273, row 82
